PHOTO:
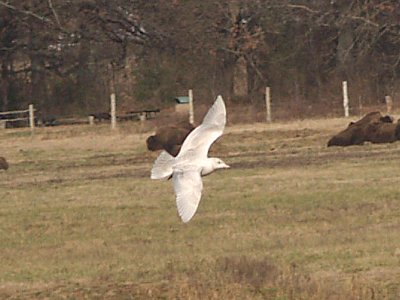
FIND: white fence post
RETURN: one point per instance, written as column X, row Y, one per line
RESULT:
column 31, row 117
column 113, row 112
column 345, row 99
column 191, row 111
column 389, row 104
column 268, row 103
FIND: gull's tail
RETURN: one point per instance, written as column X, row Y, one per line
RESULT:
column 162, row 168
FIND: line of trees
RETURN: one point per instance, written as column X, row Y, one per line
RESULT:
column 65, row 56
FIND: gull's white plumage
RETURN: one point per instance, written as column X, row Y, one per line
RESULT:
column 188, row 186
column 192, row 161
column 200, row 139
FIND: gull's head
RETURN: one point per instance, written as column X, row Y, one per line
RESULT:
column 219, row 164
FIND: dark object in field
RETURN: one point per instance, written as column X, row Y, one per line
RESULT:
column 3, row 164
column 379, row 132
column 373, row 117
column 169, row 138
column 102, row 116
column 373, row 127
column 47, row 120
column 136, row 115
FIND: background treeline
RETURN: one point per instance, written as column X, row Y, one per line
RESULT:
column 65, row 56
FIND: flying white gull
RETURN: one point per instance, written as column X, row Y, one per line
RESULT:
column 192, row 161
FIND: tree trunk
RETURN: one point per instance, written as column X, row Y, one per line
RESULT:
column 38, row 85
column 225, row 73
column 240, row 80
column 83, row 76
column 4, row 86
column 344, row 48
column 345, row 39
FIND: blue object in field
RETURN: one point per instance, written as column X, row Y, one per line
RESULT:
column 182, row 99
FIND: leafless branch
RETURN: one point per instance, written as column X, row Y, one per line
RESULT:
column 26, row 12
column 54, row 13
column 298, row 6
column 365, row 20
column 255, row 68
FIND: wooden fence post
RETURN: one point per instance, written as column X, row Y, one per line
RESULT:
column 389, row 104
column 345, row 99
column 113, row 112
column 268, row 103
column 191, row 110
column 31, row 117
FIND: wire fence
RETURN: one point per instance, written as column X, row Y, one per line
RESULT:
column 26, row 116
column 273, row 110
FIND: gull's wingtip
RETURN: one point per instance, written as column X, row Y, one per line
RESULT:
column 186, row 215
column 220, row 100
column 185, row 220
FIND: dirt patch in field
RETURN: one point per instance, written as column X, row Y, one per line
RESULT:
column 273, row 159
column 51, row 179
column 280, row 148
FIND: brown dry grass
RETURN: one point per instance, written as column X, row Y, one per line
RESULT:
column 79, row 217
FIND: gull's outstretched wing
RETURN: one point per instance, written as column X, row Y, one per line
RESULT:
column 199, row 141
column 188, row 187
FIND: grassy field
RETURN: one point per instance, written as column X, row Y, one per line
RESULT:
column 292, row 219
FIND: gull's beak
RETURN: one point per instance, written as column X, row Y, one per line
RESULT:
column 225, row 166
